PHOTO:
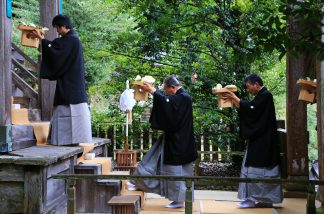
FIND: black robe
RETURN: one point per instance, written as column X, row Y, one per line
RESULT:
column 173, row 115
column 62, row 60
column 258, row 126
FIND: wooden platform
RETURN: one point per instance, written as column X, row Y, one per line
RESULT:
column 155, row 205
column 26, row 183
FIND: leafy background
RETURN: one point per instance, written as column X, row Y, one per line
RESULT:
column 220, row 40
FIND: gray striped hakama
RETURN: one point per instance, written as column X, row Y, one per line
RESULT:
column 70, row 125
column 152, row 164
column 259, row 192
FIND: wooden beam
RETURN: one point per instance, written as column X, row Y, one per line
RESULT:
column 48, row 9
column 5, row 65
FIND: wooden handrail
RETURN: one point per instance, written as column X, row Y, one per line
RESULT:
column 201, row 180
column 22, row 68
column 30, row 60
column 22, row 85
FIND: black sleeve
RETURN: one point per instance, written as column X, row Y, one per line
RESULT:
column 254, row 115
column 55, row 56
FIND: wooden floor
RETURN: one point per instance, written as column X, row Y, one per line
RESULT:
column 155, row 205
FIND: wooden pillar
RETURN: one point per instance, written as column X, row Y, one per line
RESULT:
column 297, row 135
column 5, row 65
column 48, row 9
column 5, row 77
column 320, row 122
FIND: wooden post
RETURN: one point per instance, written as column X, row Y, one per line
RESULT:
column 297, row 136
column 202, row 156
column 48, row 9
column 311, row 194
column 71, row 207
column 142, row 143
column 320, row 123
column 5, row 78
column 5, row 66
column 188, row 202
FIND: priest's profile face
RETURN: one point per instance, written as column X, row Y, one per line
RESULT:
column 252, row 88
column 169, row 90
column 62, row 30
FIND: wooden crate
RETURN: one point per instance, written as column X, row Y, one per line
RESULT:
column 125, row 204
column 308, row 91
column 139, row 94
column 222, row 103
column 26, row 40
column 126, row 158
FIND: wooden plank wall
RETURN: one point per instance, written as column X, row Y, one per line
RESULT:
column 5, row 65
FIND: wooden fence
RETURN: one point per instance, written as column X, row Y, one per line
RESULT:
column 141, row 140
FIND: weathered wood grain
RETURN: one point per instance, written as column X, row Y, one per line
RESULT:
column 48, row 9
column 33, row 190
column 11, row 197
column 5, row 65
column 9, row 173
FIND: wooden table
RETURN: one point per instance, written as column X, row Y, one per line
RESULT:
column 26, row 183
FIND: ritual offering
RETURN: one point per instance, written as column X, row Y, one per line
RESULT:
column 26, row 39
column 140, row 94
column 308, row 90
column 219, row 90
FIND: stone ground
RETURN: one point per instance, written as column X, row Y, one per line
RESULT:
column 219, row 169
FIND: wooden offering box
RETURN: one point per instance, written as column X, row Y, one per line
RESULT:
column 222, row 103
column 26, row 40
column 308, row 90
column 139, row 93
column 126, row 160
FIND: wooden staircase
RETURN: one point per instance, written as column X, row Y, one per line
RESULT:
column 23, row 78
column 104, row 196
column 25, row 113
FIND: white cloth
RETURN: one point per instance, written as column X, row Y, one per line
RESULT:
column 127, row 101
column 260, row 192
column 70, row 124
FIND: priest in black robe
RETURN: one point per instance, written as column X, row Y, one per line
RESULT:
column 175, row 152
column 62, row 61
column 258, row 128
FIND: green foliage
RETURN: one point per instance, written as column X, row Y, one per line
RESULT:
column 25, row 11
column 220, row 40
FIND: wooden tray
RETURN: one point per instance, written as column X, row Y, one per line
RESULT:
column 307, row 84
column 223, row 90
column 30, row 28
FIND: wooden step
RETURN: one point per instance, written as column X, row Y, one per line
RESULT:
column 22, row 137
column 92, row 195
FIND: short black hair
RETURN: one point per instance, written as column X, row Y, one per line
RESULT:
column 171, row 81
column 253, row 78
column 62, row 20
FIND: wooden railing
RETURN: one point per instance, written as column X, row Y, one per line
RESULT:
column 143, row 140
column 189, row 180
column 23, row 76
